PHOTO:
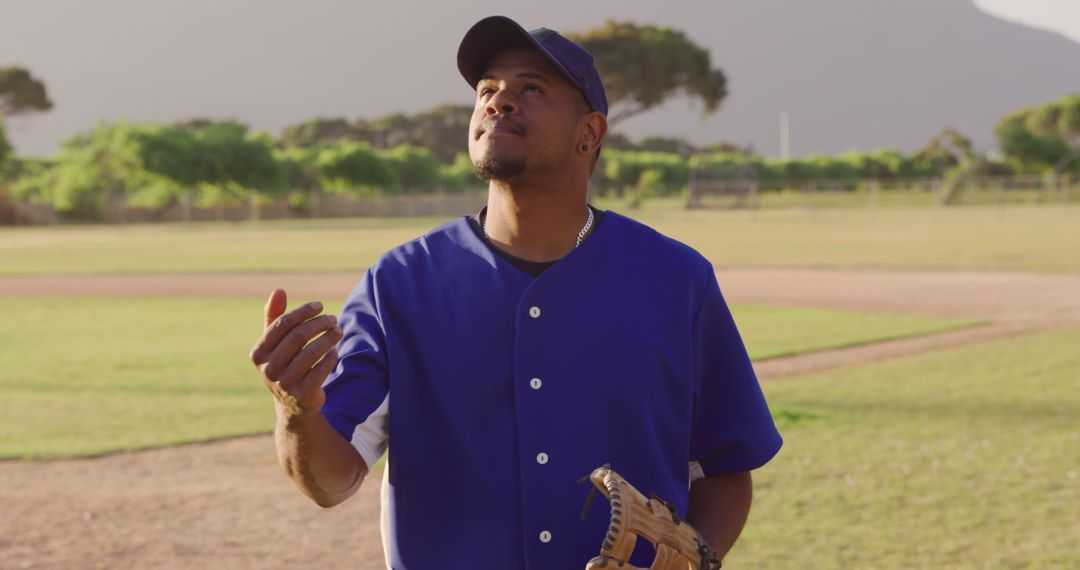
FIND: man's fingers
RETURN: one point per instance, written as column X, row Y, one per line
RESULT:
column 283, row 326
column 277, row 363
column 317, row 375
column 311, row 354
column 275, row 306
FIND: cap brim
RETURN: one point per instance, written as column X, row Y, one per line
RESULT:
column 489, row 37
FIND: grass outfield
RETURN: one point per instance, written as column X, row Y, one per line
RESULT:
column 1013, row 238
column 86, row 376
column 772, row 332
column 966, row 458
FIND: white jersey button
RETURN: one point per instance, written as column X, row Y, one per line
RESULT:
column 545, row 536
column 534, row 312
column 535, row 383
column 541, row 458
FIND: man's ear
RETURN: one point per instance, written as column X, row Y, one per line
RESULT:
column 594, row 133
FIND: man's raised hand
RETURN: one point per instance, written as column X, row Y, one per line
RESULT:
column 296, row 353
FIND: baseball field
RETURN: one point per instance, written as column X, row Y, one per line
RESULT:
column 921, row 363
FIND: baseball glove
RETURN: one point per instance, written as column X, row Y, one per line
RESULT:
column 678, row 545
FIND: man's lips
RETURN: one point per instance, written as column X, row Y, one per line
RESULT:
column 503, row 126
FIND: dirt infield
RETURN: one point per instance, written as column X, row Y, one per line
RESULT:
column 226, row 504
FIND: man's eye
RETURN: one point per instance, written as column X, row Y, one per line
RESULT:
column 532, row 87
column 485, row 91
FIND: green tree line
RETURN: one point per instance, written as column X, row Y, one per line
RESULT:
column 206, row 163
column 1042, row 136
column 211, row 163
column 200, row 162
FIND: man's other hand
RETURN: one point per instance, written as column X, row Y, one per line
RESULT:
column 296, row 353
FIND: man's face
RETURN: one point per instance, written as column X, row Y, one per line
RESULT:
column 525, row 119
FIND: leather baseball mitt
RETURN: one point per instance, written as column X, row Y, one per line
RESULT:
column 678, row 545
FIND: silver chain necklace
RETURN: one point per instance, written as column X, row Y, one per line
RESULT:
column 580, row 236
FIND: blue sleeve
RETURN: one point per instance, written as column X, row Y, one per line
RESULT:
column 359, row 384
column 732, row 428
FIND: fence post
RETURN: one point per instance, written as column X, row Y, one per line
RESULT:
column 185, row 207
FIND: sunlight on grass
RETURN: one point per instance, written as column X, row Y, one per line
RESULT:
column 1014, row 238
column 966, row 458
column 85, row 376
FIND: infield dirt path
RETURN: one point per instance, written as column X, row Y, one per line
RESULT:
column 226, row 504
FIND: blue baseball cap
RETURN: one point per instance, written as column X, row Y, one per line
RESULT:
column 495, row 34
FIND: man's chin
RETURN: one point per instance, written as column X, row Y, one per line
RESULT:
column 498, row 168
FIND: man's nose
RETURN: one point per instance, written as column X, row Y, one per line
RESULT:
column 502, row 102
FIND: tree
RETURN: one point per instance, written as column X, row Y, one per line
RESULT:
column 1042, row 137
column 416, row 168
column 725, row 147
column 171, row 151
column 1068, row 125
column 657, row 143
column 232, row 155
column 618, row 141
column 642, row 66
column 195, row 124
column 90, row 169
column 459, row 175
column 624, row 170
column 946, row 150
column 298, row 165
column 216, row 153
column 309, row 133
column 21, row 93
column 349, row 166
column 442, row 130
column 5, row 146
column 1032, row 150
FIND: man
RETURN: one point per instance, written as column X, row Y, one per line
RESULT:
column 523, row 347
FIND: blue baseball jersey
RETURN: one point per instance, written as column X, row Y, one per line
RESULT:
column 508, row 388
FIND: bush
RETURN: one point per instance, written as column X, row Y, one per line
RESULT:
column 351, row 167
column 624, row 169
column 91, row 168
column 459, row 175
column 415, row 168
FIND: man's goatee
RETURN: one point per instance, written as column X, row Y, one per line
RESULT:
column 496, row 169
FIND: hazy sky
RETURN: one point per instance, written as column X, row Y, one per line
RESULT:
column 275, row 63
column 1062, row 16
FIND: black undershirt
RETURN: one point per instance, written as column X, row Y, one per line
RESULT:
column 533, row 268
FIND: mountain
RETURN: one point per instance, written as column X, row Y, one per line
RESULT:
column 852, row 74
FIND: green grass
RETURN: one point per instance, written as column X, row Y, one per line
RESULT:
column 1012, row 238
column 216, row 247
column 771, row 331
column 966, row 458
column 86, row 376
column 893, row 198
column 1020, row 238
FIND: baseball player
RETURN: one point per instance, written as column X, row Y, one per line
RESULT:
column 521, row 348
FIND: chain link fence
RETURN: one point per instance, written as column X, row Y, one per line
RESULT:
column 862, row 193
